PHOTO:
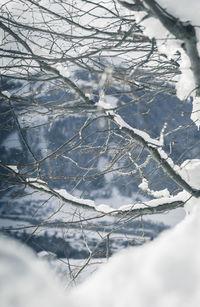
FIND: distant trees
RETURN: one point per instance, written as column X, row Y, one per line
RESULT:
column 93, row 60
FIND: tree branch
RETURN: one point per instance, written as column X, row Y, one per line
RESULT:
column 154, row 148
column 183, row 31
column 134, row 210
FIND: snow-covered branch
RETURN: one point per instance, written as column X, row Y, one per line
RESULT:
column 178, row 32
column 134, row 210
column 183, row 31
column 154, row 148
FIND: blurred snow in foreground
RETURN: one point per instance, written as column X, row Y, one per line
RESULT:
column 25, row 280
column 165, row 272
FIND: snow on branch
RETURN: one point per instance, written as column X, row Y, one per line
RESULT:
column 153, row 146
column 138, row 133
column 183, row 31
column 134, row 210
column 157, row 194
column 175, row 28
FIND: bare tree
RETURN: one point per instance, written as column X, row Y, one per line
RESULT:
column 92, row 61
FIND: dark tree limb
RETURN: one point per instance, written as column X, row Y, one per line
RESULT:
column 132, row 211
column 183, row 31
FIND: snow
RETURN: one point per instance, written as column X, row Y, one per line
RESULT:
column 190, row 171
column 143, row 185
column 186, row 83
column 165, row 156
column 72, row 198
column 188, row 11
column 62, row 70
column 32, row 117
column 182, row 196
column 145, row 136
column 14, row 168
column 47, row 255
column 163, row 197
column 104, row 208
column 116, row 200
column 26, row 280
column 39, row 184
column 170, row 218
column 6, row 93
column 195, row 115
column 164, row 272
column 104, row 105
column 66, row 270
column 157, row 194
